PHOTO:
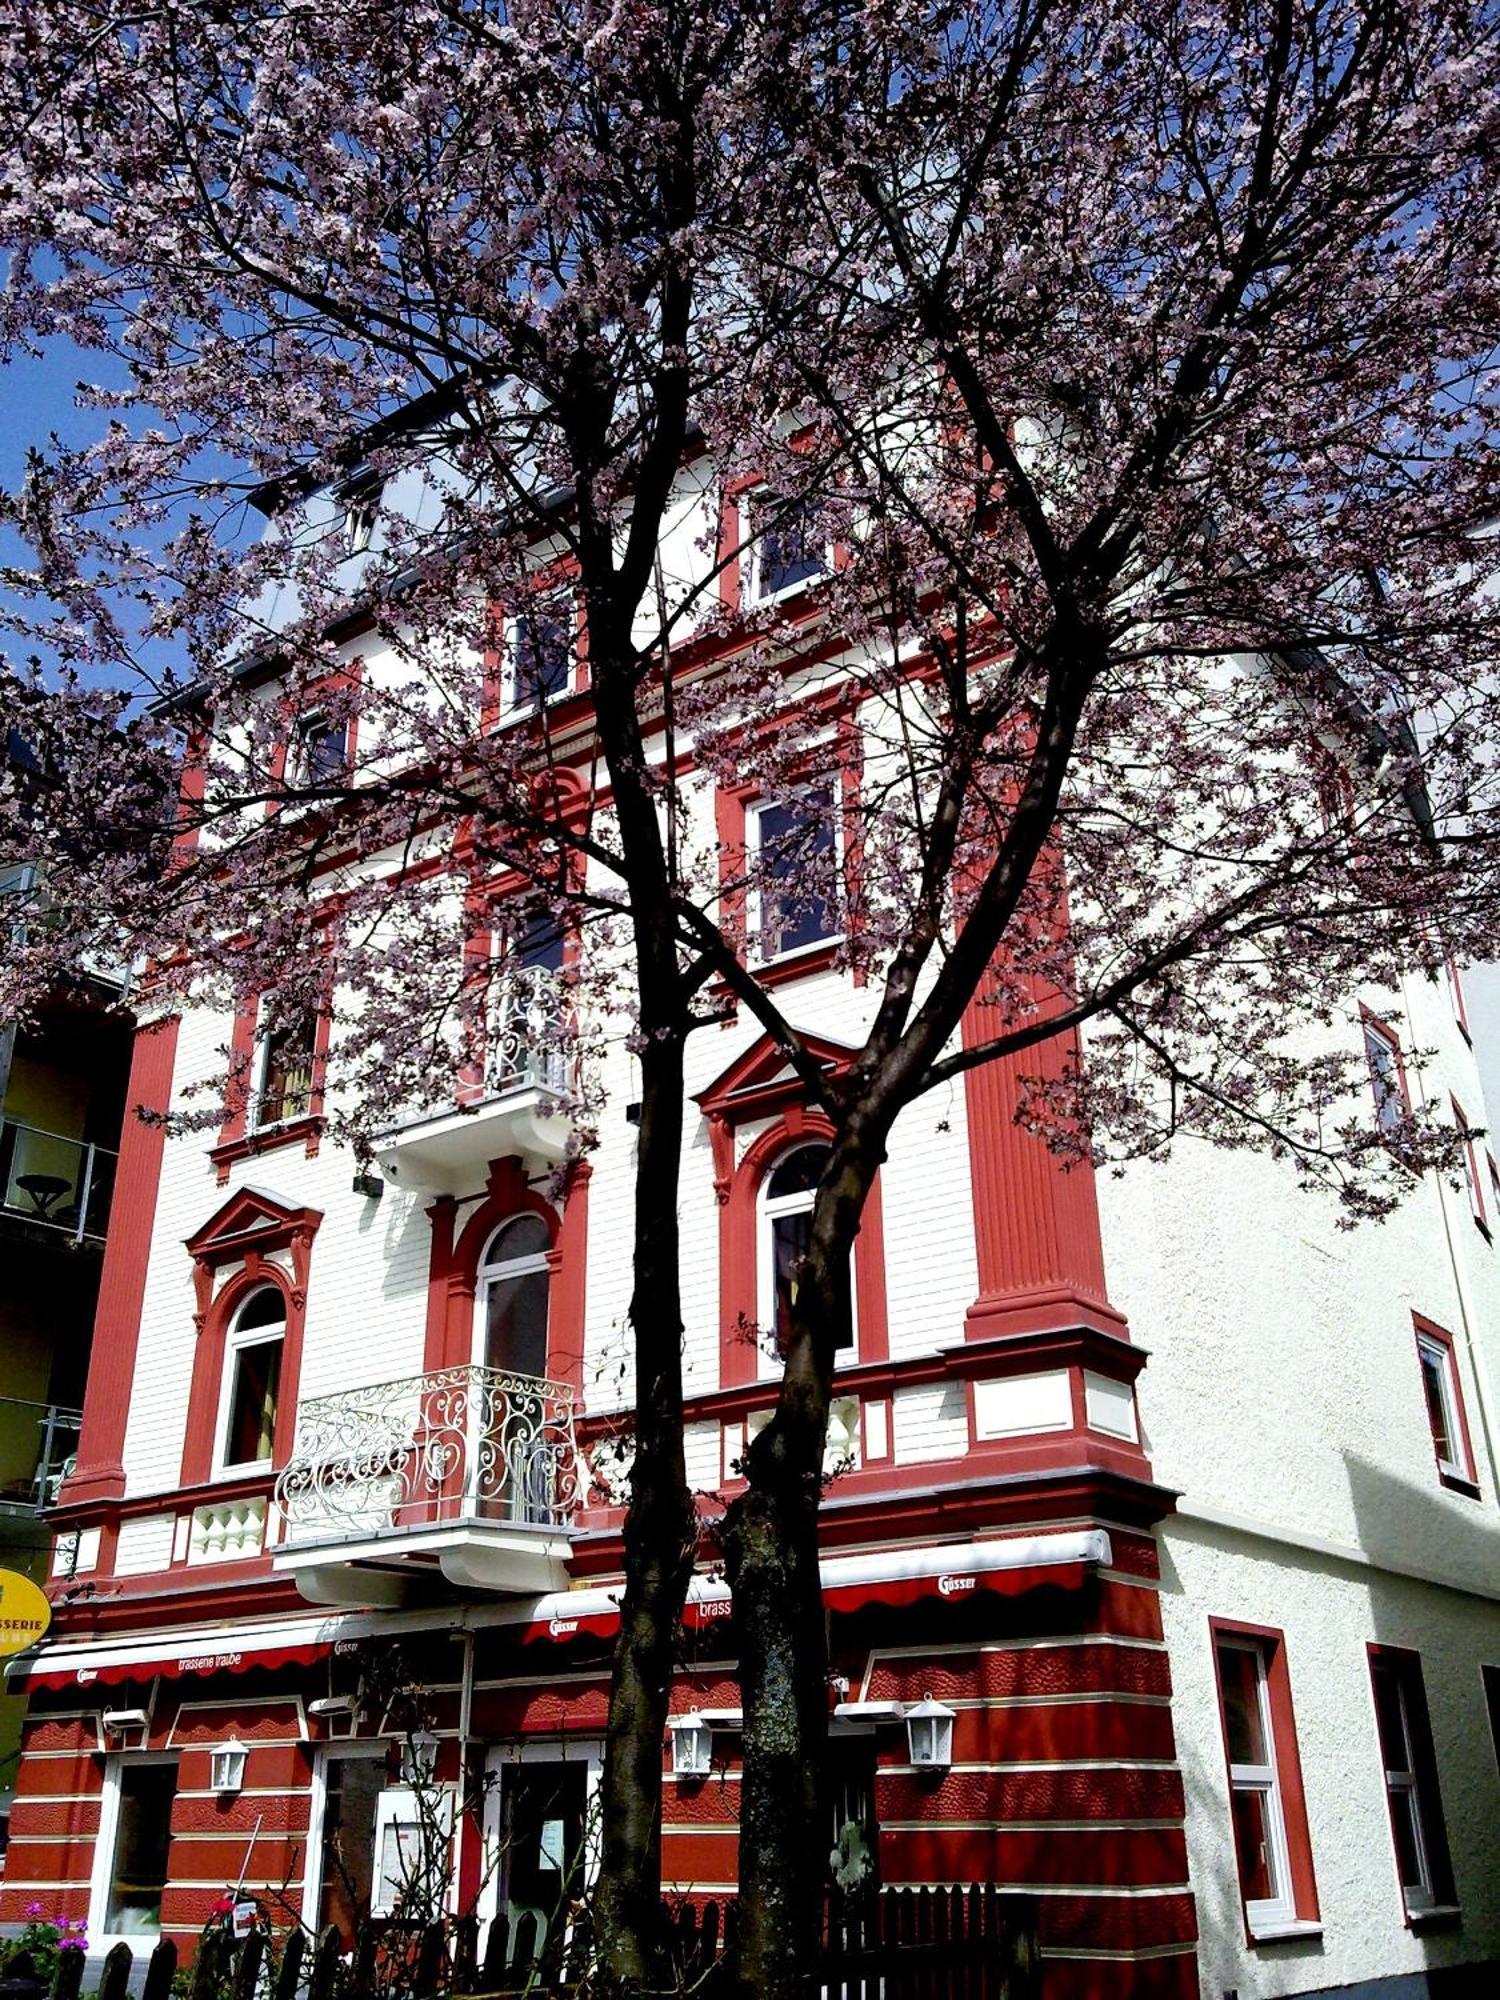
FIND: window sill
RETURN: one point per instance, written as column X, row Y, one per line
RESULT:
column 1457, row 1483
column 1437, row 1916
column 306, row 1131
column 1286, row 1930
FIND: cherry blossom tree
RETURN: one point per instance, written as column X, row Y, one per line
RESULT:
column 1124, row 377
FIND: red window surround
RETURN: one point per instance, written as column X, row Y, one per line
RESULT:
column 453, row 1267
column 732, row 805
column 1471, row 1166
column 1268, row 1646
column 1387, row 1074
column 1419, row 1836
column 1456, row 993
column 250, row 1228
column 1448, row 1419
column 752, row 1088
column 237, row 1140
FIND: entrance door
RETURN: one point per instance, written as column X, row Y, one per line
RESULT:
column 543, row 1854
column 353, row 1781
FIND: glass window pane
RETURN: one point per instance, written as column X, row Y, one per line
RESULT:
column 1390, row 1716
column 522, row 1236
column 1240, row 1677
column 1408, row 1838
column 543, row 650
column 143, row 1836
column 1385, row 1080
column 287, row 1073
column 790, row 1235
column 263, row 1308
column 1252, row 1845
column 252, row 1408
column 799, row 887
column 1435, row 1388
column 793, row 548
column 797, row 1173
column 516, row 1323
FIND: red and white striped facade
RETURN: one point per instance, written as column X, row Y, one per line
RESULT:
column 1083, row 1420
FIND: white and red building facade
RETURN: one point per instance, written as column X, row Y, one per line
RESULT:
column 1179, row 1500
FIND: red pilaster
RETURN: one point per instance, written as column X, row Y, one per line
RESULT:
column 100, row 1472
column 1036, row 1222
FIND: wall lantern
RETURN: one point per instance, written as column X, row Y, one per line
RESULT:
column 419, row 1757
column 692, row 1745
column 226, row 1766
column 929, row 1732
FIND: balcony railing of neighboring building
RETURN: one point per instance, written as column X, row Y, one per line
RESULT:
column 55, row 1182
column 460, row 1445
column 38, row 1443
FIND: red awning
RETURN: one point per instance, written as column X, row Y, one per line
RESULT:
column 85, row 1666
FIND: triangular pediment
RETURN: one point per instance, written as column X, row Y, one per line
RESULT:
column 251, row 1215
column 762, row 1075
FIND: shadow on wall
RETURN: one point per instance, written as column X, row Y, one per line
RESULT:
column 1221, row 1914
column 1454, row 1633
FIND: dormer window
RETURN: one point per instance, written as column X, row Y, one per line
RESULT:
column 322, row 750
column 361, row 503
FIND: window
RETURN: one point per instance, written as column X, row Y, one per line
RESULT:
column 1494, row 1172
column 322, row 751
column 139, row 1802
column 252, row 1380
column 1456, row 994
column 287, row 1054
column 1471, row 1167
column 511, row 1297
column 791, row 547
column 786, row 1226
column 796, row 873
column 361, row 503
column 541, row 651
column 1446, row 1418
column 1387, row 1077
column 1411, row 1788
column 1272, row 1851
column 412, row 1874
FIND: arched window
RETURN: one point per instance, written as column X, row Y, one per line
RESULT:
column 786, row 1206
column 511, row 1297
column 252, row 1380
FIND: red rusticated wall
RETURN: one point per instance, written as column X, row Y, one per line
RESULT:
column 1064, row 1777
column 54, row 1817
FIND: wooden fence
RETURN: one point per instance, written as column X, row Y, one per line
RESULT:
column 903, row 1944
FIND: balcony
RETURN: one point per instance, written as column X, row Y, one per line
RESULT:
column 530, row 1074
column 466, row 1476
column 37, row 1445
column 55, row 1183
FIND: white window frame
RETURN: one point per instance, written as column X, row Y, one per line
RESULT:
column 756, row 900
column 749, row 534
column 767, row 1208
column 490, row 1272
column 302, row 731
column 1439, row 1351
column 397, row 1807
column 1274, row 1912
column 312, row 1875
column 101, row 1940
column 254, row 1123
column 510, row 707
column 236, row 1338
column 501, row 1757
column 1377, row 1035
column 1421, row 1897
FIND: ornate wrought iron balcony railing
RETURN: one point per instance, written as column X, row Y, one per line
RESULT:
column 534, row 1033
column 461, row 1445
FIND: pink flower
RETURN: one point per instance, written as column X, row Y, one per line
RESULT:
column 33, row 1910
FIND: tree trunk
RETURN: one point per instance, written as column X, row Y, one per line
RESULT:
column 660, row 1534
column 771, row 1558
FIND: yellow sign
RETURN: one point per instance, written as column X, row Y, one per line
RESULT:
column 25, row 1613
